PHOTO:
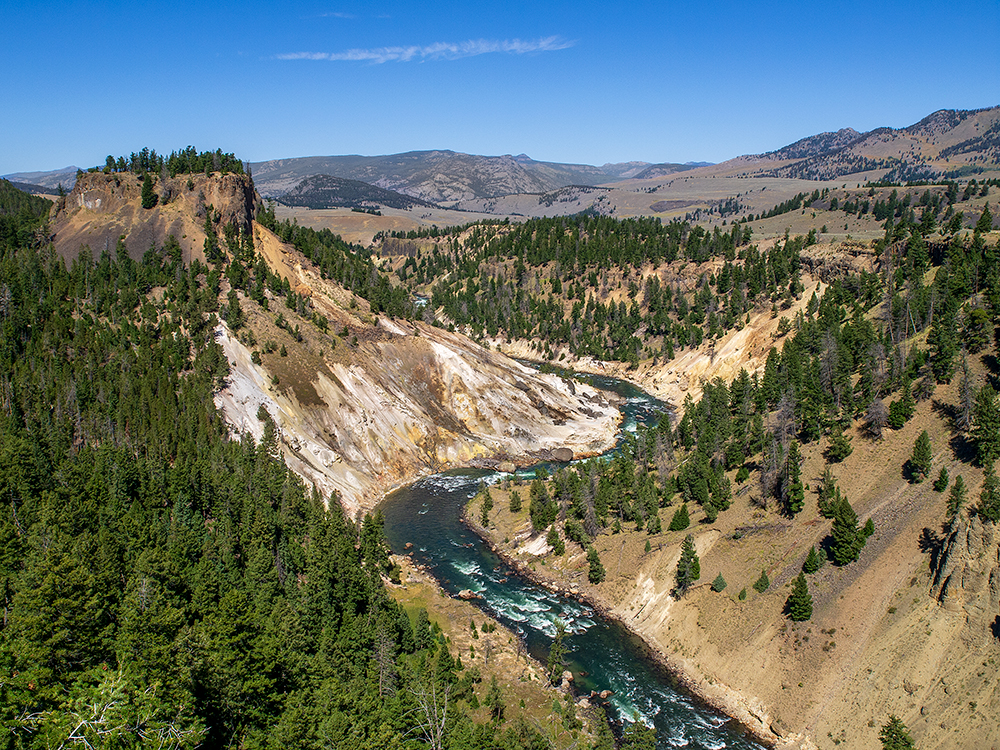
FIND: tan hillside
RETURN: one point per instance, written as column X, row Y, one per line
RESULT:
column 374, row 403
column 103, row 207
column 911, row 628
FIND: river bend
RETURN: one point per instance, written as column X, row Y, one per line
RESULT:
column 602, row 654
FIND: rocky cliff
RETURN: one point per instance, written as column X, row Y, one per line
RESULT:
column 378, row 402
column 101, row 208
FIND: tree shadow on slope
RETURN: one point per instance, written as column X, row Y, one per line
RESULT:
column 931, row 543
column 962, row 447
column 947, row 411
column 993, row 365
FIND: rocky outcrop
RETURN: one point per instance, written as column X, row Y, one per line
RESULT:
column 562, row 454
column 102, row 208
column 968, row 573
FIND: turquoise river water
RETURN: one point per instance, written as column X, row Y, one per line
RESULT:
column 603, row 655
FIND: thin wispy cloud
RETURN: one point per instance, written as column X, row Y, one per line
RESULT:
column 437, row 51
column 349, row 16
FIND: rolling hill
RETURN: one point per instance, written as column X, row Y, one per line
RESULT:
column 948, row 143
column 439, row 176
column 50, row 180
column 327, row 191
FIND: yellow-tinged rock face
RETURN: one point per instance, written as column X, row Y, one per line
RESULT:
column 413, row 404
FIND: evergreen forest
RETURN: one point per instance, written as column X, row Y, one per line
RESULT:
column 164, row 584
column 862, row 351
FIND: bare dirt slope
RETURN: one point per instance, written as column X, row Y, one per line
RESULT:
column 373, row 403
column 912, row 628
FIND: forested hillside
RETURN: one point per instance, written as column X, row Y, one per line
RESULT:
column 892, row 353
column 327, row 191
column 553, row 281
column 632, row 289
column 163, row 584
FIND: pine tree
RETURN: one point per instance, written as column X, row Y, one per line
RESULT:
column 799, row 604
column 541, row 507
column 848, row 539
column 487, row 503
column 795, row 493
column 149, row 198
column 985, row 223
column 557, row 653
column 943, row 342
column 719, row 584
column 813, row 561
column 986, row 426
column 763, row 583
column 989, row 497
column 211, row 245
column 920, row 459
column 637, row 736
column 494, row 700
column 681, row 520
column 840, row 445
column 894, row 735
column 956, row 498
column 941, row 483
column 688, row 566
column 555, row 541
column 515, row 501
column 596, row 572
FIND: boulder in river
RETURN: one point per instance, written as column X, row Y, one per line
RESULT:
column 507, row 467
column 468, row 594
column 562, row 454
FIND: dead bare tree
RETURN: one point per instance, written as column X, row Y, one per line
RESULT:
column 784, row 420
column 487, row 651
column 876, row 418
column 385, row 658
column 770, row 471
column 432, row 699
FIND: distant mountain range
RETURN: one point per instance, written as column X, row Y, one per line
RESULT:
column 439, row 176
column 447, row 177
column 947, row 143
column 49, row 181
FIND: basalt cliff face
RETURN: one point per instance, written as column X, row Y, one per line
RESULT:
column 101, row 208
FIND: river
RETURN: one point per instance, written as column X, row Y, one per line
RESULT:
column 602, row 654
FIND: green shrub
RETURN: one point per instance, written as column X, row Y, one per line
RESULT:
column 763, row 583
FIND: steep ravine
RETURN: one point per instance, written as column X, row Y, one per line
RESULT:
column 414, row 400
column 364, row 403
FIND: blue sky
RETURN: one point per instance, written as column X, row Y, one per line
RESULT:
column 571, row 82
